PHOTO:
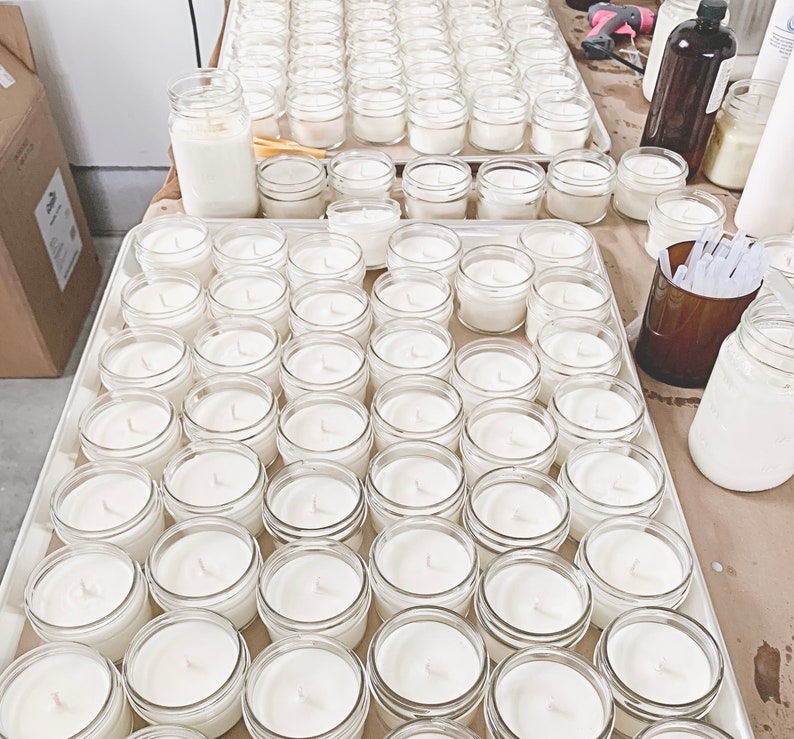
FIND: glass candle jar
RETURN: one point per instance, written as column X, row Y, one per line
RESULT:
column 486, row 369
column 436, row 76
column 63, row 689
column 165, row 298
column 147, row 357
column 316, row 114
column 681, row 215
column 677, row 672
column 373, row 40
column 378, row 110
column 427, row 245
column 689, row 728
column 436, row 187
column 780, row 252
column 187, row 667
column 323, row 361
column 561, row 120
column 250, row 244
column 498, row 117
column 420, row 50
column 136, row 425
column 277, row 680
column 291, row 186
column 554, row 243
column 374, row 64
column 216, row 478
column 510, row 8
column 437, row 120
column 417, row 408
column 507, row 432
column 310, row 19
column 643, row 173
column 431, row 728
column 559, row 681
column 369, row 221
column 91, row 593
column 474, row 47
column 167, row 731
column 408, row 292
column 431, row 27
column 556, row 592
column 633, row 561
column 174, row 242
column 492, row 284
column 315, row 45
column 361, row 173
column 211, row 138
column 509, row 189
column 309, row 69
column 325, row 256
column 543, row 76
column 606, row 479
column 492, row 73
column 536, row 50
column 446, row 667
column 251, row 292
column 315, row 586
column 464, row 24
column 530, row 24
column 330, row 426
column 233, row 407
column 579, row 185
column 255, row 69
column 314, row 499
column 414, row 478
column 264, row 107
column 259, row 42
column 331, row 305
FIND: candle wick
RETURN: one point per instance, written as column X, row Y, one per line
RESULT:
column 204, row 569
column 565, row 298
column 234, row 412
column 324, row 363
column 163, row 301
column 243, row 352
column 325, row 262
column 428, row 667
column 409, row 299
column 418, row 415
column 596, row 414
column 516, row 514
column 582, row 351
column 617, row 484
column 301, row 694
column 248, row 296
column 554, row 246
column 333, row 310
column 419, row 488
column 255, row 247
column 658, row 168
column 188, row 664
column 108, row 509
column 56, row 700
column 84, row 589
column 424, row 252
column 660, row 665
column 216, row 480
column 131, row 426
column 146, row 364
column 318, row 587
column 315, row 508
column 634, row 565
column 428, row 565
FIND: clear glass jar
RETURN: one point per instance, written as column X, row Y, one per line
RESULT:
column 331, row 305
column 509, row 189
column 488, row 73
column 409, row 292
column 211, row 136
column 63, row 689
column 605, row 479
column 417, row 408
column 579, row 185
column 530, row 24
column 688, row 727
column 361, row 173
column 316, row 114
column 315, row 586
column 780, row 251
column 510, row 8
column 280, row 669
column 456, row 667
column 426, row 245
column 166, row 731
column 314, row 499
column 492, row 284
column 258, row 69
column 437, row 120
column 484, row 25
column 643, row 173
column 507, row 432
column 498, row 117
column 474, row 47
column 134, row 424
column 259, row 42
column 324, row 361
column 216, row 478
column 166, row 298
column 312, row 20
column 427, row 11
column 423, row 561
column 557, row 593
column 174, row 242
column 438, row 76
column 414, row 478
column 147, row 357
column 250, row 244
column 362, row 18
column 529, row 52
column 291, row 186
column 373, row 40
column 316, row 70
column 742, row 436
column 554, row 243
column 326, row 426
column 431, row 728
column 317, row 45
column 378, row 111
column 374, row 64
column 561, row 120
column 558, row 679
column 640, row 679
column 543, row 76
column 419, row 50
column 633, row 561
column 264, row 107
column 163, row 683
column 430, row 27
column 92, row 593
column 368, row 221
column 234, row 407
column 325, row 256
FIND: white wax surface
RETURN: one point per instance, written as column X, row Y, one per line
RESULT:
column 510, row 435
column 424, row 249
column 213, row 478
column 248, row 292
column 517, row 510
column 577, row 349
column 411, row 297
column 688, row 211
column 104, row 502
column 314, row 503
column 163, row 296
column 229, row 410
column 236, row 347
column 612, row 479
column 250, row 247
column 555, row 245
column 362, row 169
column 330, row 309
column 441, row 140
column 781, row 256
column 323, row 428
column 596, row 408
column 509, row 178
column 495, row 370
column 418, row 411
column 651, row 166
column 496, row 273
column 411, row 348
column 416, row 481
column 324, row 260
column 143, row 358
column 127, row 424
column 437, row 174
column 171, row 239
column 323, row 363
column 571, row 296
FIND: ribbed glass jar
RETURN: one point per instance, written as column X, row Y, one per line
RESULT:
column 579, row 184
column 250, row 244
column 325, row 256
column 291, row 186
column 174, row 242
column 331, row 305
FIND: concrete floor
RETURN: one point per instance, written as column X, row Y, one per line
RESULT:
column 30, row 412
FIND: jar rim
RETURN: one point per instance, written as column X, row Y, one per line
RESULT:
column 130, row 336
column 203, row 91
column 486, row 184
column 523, row 352
column 313, row 339
column 589, row 326
column 499, row 252
column 318, row 287
column 172, row 220
column 579, row 233
column 269, row 182
column 394, row 325
column 153, row 277
column 232, row 273
column 424, row 384
column 220, row 325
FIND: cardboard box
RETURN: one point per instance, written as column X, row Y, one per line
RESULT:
column 48, row 266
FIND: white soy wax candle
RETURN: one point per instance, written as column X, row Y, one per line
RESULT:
column 427, row 662
column 331, row 305
column 325, row 256
column 780, row 250
column 507, row 432
column 291, row 186
column 409, row 292
column 437, row 119
column 91, row 593
column 233, row 407
column 633, row 561
column 137, row 425
column 560, row 120
column 579, row 185
column 315, row 586
column 509, row 188
column 428, row 245
column 174, row 242
column 436, row 187
column 550, row 691
column 498, row 117
column 63, row 691
column 643, row 173
column 250, row 244
column 531, row 596
column 555, row 243
column 682, row 728
column 206, row 562
column 187, row 667
column 659, row 664
column 492, row 284
column 604, row 479
column 166, row 731
column 543, row 76
column 431, row 728
column 373, row 64
column 487, row 73
column 369, row 222
column 414, row 478
column 423, row 561
column 306, row 686
column 262, row 101
column 378, row 110
column 441, row 76
column 316, row 115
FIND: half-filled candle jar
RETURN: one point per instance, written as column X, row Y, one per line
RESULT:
column 509, row 189
column 174, row 242
column 291, row 186
column 428, row 245
column 643, row 173
column 331, row 305
column 409, row 292
column 250, row 244
column 325, row 256
column 436, row 187
column 579, row 185
column 369, row 222
column 555, row 243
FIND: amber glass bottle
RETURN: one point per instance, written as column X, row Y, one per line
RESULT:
column 693, row 76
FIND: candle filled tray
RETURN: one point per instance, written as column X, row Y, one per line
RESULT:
column 37, row 538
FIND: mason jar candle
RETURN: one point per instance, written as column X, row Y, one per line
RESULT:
column 264, row 107
column 543, row 76
column 491, row 73
column 470, row 20
column 474, row 47
column 369, row 221
column 509, row 189
column 174, row 242
column 250, row 244
column 316, row 115
column 437, row 119
column 492, row 284
column 498, row 117
column 579, row 185
column 409, row 292
column 331, row 305
column 438, row 76
column 216, row 478
column 431, row 728
column 643, row 173
column 682, row 728
column 259, row 42
column 374, row 64
column 419, row 50
column 531, row 23
column 427, row 245
column 433, row 26
column 291, row 186
column 361, row 173
column 255, row 69
column 312, row 69
column 234, row 407
column 374, row 40
column 378, row 110
column 312, row 499
column 555, row 243
column 560, row 120
column 314, row 45
column 606, row 479
column 325, row 256
column 91, row 593
column 436, row 187
column 166, row 731
column 529, row 52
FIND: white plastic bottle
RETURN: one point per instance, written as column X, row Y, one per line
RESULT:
column 777, row 44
